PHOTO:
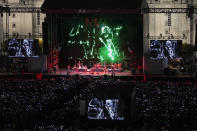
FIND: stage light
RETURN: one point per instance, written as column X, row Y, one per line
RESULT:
column 148, row 35
column 109, row 51
column 183, row 36
column 17, row 35
column 87, row 21
column 160, row 36
column 171, row 36
column 96, row 21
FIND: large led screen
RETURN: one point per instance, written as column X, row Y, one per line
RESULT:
column 23, row 48
column 102, row 39
column 165, row 49
column 109, row 109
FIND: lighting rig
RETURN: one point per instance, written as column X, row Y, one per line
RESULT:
column 6, row 9
column 189, row 11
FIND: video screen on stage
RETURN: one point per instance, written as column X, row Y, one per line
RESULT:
column 109, row 102
column 23, row 48
column 165, row 49
column 110, row 39
column 105, row 109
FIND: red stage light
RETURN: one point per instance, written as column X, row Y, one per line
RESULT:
column 39, row 76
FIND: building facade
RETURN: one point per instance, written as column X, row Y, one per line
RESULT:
column 1, row 27
column 20, row 19
column 22, row 24
column 164, row 25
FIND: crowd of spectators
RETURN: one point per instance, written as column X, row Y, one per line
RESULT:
column 167, row 104
column 53, row 104
column 29, row 102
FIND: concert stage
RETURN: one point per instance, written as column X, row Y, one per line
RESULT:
column 124, row 76
column 94, row 73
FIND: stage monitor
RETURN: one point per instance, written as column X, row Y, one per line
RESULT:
column 24, row 48
column 165, row 49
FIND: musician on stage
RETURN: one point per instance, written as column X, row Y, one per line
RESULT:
column 105, row 68
column 68, row 70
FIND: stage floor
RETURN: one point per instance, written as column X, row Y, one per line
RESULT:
column 89, row 73
column 123, row 74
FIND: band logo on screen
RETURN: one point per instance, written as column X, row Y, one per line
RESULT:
column 23, row 48
column 99, row 39
column 108, row 109
column 165, row 49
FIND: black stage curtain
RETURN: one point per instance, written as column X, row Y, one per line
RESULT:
column 196, row 39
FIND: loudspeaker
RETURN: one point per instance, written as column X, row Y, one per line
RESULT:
column 45, row 38
column 82, row 107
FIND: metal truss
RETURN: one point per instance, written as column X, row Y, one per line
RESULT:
column 22, row 36
column 166, row 37
column 92, row 11
column 190, row 10
column 170, row 10
column 20, row 9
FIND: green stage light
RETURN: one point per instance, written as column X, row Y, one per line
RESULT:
column 109, row 40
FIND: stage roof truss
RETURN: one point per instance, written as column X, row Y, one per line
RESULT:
column 7, row 9
column 170, row 10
